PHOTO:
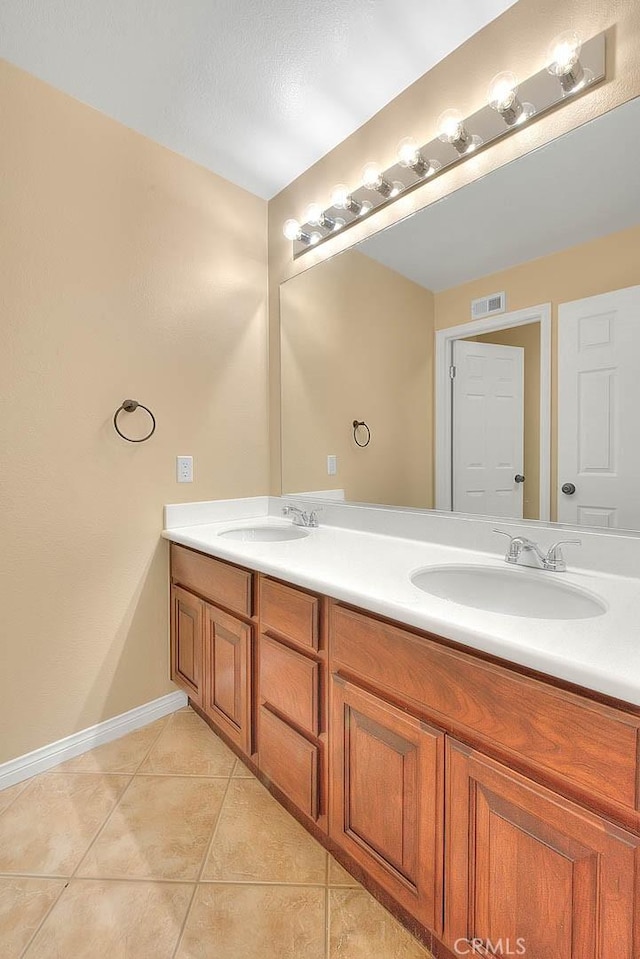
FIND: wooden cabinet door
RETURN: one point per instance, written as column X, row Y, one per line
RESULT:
column 186, row 642
column 227, row 668
column 531, row 874
column 386, row 797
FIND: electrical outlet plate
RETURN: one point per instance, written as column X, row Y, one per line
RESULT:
column 184, row 469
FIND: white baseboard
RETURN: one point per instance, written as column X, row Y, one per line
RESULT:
column 38, row 761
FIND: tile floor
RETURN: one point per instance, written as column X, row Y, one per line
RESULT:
column 162, row 845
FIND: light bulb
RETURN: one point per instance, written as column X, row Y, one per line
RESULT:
column 366, row 207
column 396, row 188
column 503, row 98
column 372, row 179
column 341, row 199
column 408, row 152
column 564, row 62
column 338, row 223
column 313, row 214
column 409, row 156
column 291, row 229
column 371, row 176
column 450, row 126
column 503, row 91
column 340, row 196
column 314, row 238
column 564, row 53
column 451, row 129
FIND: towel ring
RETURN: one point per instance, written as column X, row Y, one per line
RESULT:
column 356, row 424
column 129, row 406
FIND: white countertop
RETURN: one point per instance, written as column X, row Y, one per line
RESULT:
column 373, row 571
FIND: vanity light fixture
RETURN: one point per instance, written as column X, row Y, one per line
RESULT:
column 503, row 98
column 451, row 129
column 577, row 66
column 564, row 62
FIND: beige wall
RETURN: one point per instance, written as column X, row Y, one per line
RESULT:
column 125, row 270
column 357, row 343
column 610, row 263
column 518, row 41
column 528, row 338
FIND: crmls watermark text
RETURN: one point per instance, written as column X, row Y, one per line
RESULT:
column 498, row 947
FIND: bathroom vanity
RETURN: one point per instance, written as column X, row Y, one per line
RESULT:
column 481, row 800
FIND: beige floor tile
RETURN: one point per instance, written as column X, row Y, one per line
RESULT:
column 160, row 830
column 187, row 747
column 269, row 922
column 359, row 928
column 49, row 827
column 123, row 755
column 113, row 920
column 241, row 771
column 258, row 841
column 10, row 793
column 338, row 876
column 24, row 902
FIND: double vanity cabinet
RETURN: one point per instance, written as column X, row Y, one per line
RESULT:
column 495, row 812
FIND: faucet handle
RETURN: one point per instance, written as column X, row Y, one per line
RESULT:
column 554, row 559
column 514, row 547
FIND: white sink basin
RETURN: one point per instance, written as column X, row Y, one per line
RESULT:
column 515, row 592
column 264, row 534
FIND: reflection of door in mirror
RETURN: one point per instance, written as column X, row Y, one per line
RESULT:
column 599, row 403
column 487, row 428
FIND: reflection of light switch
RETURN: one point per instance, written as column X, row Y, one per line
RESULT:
column 332, row 465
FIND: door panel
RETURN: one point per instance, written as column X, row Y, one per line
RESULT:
column 488, row 428
column 227, row 649
column 530, row 871
column 598, row 399
column 186, row 642
column 385, row 807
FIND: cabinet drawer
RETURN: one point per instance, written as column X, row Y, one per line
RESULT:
column 290, row 612
column 219, row 582
column 586, row 743
column 290, row 683
column 290, row 761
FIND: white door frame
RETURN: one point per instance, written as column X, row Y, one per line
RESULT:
column 444, row 339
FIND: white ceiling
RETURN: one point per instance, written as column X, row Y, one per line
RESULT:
column 579, row 187
column 255, row 90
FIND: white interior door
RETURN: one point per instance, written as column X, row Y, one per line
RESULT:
column 488, row 428
column 599, row 410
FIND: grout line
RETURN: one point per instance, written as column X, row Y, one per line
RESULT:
column 184, row 775
column 101, row 829
column 27, row 783
column 161, row 731
column 44, row 918
column 327, row 922
column 203, row 865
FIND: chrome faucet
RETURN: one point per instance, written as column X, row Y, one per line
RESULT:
column 300, row 517
column 525, row 552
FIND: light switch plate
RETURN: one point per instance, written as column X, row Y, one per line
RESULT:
column 332, row 464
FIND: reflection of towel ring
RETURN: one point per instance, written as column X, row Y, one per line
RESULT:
column 129, row 406
column 356, row 424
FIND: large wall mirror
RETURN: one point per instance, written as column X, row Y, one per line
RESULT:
column 490, row 344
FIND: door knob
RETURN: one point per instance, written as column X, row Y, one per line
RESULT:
column 568, row 488
column 519, row 478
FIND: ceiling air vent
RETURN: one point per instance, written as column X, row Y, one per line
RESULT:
column 488, row 305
